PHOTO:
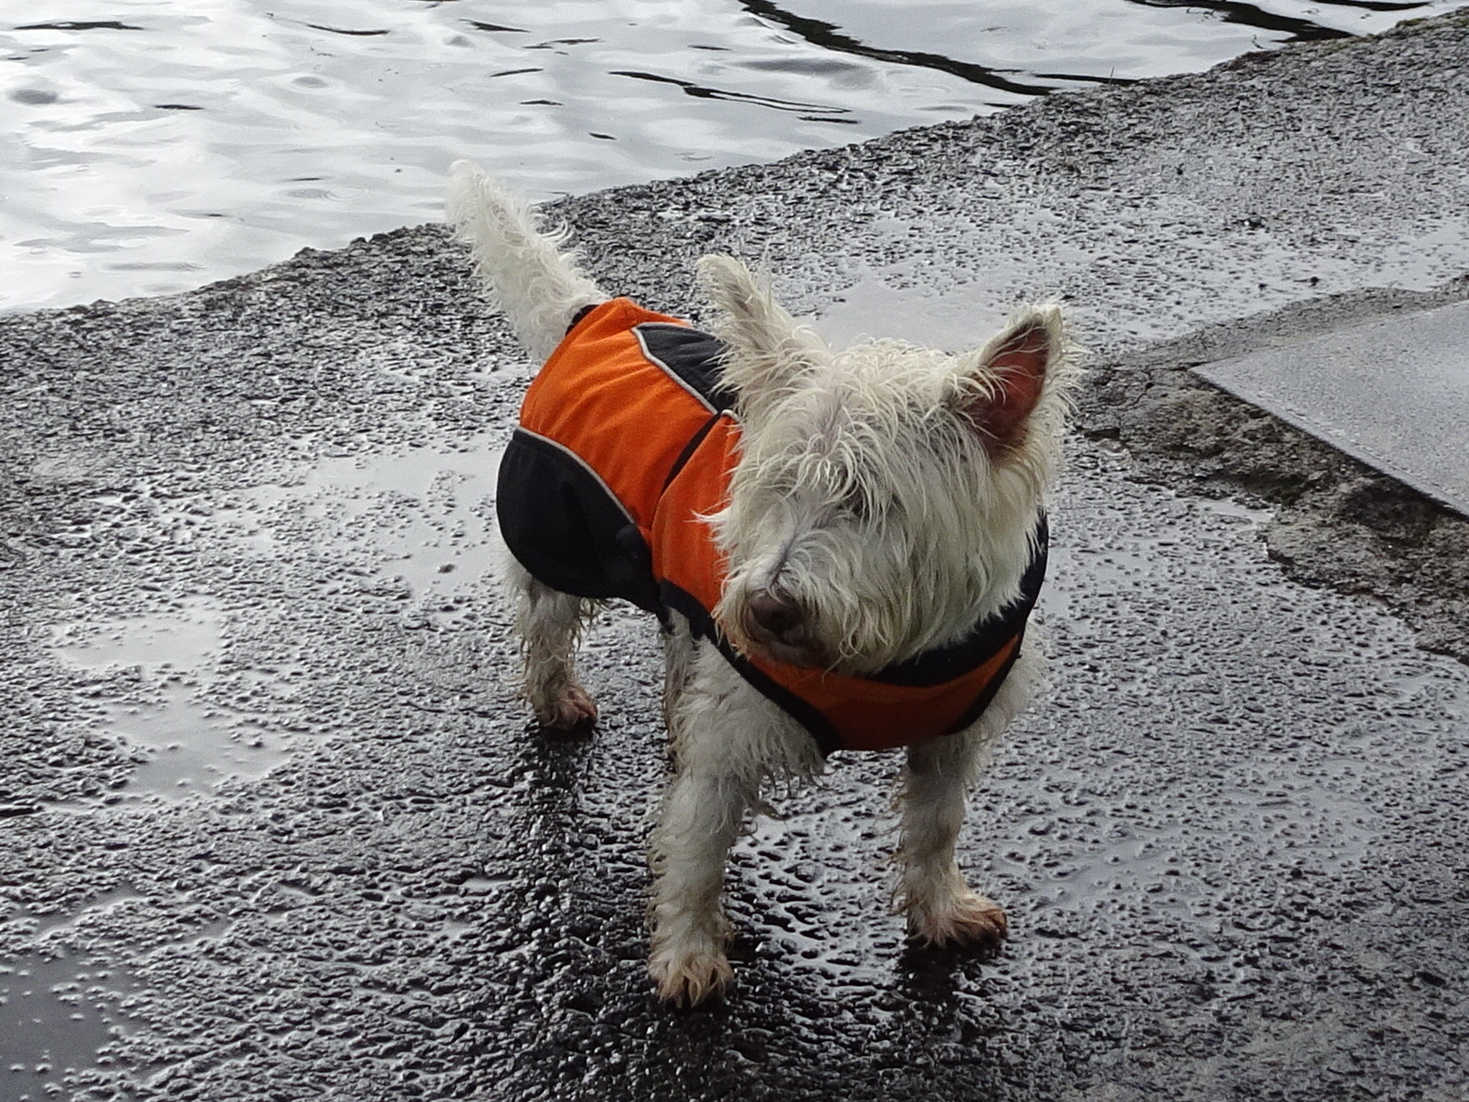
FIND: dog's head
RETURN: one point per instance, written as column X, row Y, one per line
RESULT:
column 886, row 496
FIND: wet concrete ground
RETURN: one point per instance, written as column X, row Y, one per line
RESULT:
column 274, row 825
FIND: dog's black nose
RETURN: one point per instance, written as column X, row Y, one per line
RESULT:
column 775, row 614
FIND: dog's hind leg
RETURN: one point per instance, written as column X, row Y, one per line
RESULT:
column 549, row 623
column 533, row 277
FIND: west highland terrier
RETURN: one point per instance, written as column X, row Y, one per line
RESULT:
column 842, row 548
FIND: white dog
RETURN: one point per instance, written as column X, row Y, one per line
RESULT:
column 842, row 548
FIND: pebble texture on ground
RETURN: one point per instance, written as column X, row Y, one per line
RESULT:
column 272, row 822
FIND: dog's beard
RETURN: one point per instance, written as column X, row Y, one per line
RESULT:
column 845, row 624
column 803, row 650
column 869, row 593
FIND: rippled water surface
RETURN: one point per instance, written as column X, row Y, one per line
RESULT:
column 149, row 147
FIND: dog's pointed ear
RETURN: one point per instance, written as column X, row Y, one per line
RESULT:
column 746, row 301
column 768, row 347
column 1006, row 378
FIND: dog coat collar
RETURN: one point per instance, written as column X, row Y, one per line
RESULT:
column 626, row 440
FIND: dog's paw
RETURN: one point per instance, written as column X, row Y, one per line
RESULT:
column 967, row 919
column 688, row 979
column 568, row 709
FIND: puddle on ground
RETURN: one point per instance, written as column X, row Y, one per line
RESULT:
column 190, row 743
column 882, row 304
column 65, row 1003
column 185, row 639
column 192, row 746
column 56, row 1015
column 421, row 516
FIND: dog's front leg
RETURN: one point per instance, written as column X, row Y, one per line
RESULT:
column 715, row 784
column 940, row 906
column 702, row 814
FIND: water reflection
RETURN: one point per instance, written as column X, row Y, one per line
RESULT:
column 151, row 148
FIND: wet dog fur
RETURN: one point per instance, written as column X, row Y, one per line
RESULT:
column 885, row 500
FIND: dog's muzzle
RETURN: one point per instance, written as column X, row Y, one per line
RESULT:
column 775, row 623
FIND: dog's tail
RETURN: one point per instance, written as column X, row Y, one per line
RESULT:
column 533, row 277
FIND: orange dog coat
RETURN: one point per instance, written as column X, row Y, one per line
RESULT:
column 625, row 440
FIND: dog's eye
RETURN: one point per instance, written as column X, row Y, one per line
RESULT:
column 858, row 504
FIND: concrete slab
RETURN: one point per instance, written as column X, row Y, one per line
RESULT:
column 1393, row 393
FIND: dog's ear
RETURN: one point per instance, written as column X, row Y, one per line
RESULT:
column 768, row 348
column 1006, row 378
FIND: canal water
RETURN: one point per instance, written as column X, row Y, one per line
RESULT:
column 149, row 147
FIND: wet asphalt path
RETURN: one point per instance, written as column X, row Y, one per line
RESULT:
column 272, row 825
